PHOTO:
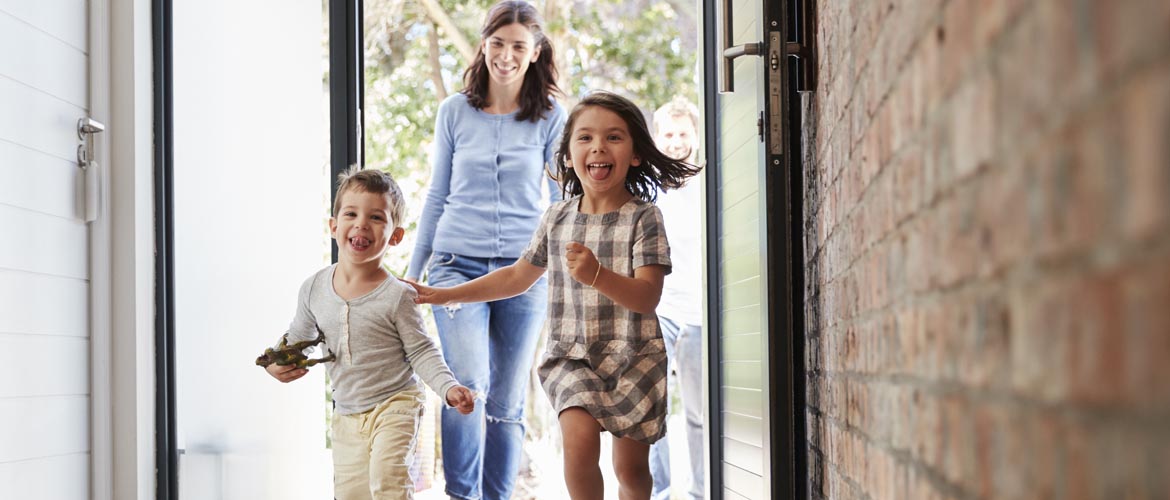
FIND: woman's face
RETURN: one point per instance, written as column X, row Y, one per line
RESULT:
column 508, row 52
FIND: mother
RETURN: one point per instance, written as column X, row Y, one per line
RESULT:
column 492, row 142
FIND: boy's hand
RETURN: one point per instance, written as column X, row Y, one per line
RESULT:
column 583, row 265
column 429, row 295
column 461, row 398
column 285, row 373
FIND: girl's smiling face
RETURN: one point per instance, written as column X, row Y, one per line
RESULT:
column 508, row 52
column 602, row 152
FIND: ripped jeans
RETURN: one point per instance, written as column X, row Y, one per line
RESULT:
column 490, row 348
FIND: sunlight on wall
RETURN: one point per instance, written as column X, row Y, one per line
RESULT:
column 251, row 201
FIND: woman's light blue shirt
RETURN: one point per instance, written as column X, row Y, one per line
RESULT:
column 485, row 194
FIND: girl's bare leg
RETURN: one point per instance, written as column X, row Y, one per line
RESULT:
column 631, row 464
column 582, row 438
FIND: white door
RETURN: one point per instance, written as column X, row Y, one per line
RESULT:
column 45, row 272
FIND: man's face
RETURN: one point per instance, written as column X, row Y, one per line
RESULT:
column 678, row 138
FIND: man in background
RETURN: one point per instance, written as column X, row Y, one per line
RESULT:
column 680, row 311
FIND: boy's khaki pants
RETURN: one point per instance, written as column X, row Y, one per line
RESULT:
column 372, row 451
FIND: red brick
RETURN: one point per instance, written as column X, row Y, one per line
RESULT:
column 973, row 128
column 1004, row 224
column 1145, row 120
column 1076, row 186
column 1041, row 314
column 1146, row 338
column 1127, row 31
column 985, row 336
column 956, row 38
column 1096, row 360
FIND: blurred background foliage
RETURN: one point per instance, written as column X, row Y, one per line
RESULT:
column 416, row 52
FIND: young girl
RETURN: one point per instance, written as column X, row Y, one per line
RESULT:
column 606, row 251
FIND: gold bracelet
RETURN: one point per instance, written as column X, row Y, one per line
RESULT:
column 595, row 275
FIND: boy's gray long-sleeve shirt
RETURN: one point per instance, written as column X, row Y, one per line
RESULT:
column 378, row 340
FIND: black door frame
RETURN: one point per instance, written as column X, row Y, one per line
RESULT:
column 346, row 99
column 785, row 205
column 166, row 450
column 784, row 228
column 345, row 103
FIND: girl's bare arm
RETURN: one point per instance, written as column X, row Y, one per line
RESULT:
column 499, row 284
column 639, row 294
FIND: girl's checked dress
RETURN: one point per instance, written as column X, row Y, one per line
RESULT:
column 600, row 356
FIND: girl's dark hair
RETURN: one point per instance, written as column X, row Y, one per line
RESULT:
column 657, row 171
column 540, row 81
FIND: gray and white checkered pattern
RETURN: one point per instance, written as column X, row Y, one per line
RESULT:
column 600, row 356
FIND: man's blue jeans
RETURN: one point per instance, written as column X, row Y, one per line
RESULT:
column 490, row 348
column 684, row 344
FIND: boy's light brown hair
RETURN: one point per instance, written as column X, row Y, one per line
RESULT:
column 373, row 181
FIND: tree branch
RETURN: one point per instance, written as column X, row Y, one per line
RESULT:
column 440, row 18
column 436, row 66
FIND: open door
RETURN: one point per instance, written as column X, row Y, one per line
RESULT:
column 754, row 266
column 54, row 393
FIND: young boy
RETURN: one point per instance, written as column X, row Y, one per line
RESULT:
column 375, row 331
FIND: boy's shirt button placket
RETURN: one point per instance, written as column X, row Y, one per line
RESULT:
column 347, row 356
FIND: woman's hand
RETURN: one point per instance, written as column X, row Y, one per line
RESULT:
column 583, row 265
column 429, row 295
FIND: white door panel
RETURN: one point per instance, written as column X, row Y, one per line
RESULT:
column 64, row 19
column 38, row 181
column 42, row 61
column 44, row 244
column 41, row 478
column 46, row 380
column 44, row 427
column 32, row 304
column 37, row 120
column 38, row 352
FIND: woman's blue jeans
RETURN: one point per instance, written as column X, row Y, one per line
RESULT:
column 490, row 348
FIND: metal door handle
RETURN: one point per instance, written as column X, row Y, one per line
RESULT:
column 727, row 77
column 86, row 128
column 91, row 171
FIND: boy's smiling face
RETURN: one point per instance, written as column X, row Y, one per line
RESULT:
column 363, row 228
column 601, row 151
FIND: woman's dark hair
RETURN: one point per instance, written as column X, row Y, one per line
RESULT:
column 657, row 171
column 540, row 81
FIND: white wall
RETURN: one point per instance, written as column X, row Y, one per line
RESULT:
column 251, row 201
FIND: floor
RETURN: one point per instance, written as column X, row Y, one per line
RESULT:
column 544, row 479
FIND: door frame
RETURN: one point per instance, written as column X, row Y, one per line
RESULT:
column 101, row 416
column 788, row 449
column 166, row 428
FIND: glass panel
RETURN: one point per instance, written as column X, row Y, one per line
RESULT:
column 251, row 202
column 415, row 55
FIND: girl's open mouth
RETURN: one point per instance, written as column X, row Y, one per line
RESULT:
column 599, row 171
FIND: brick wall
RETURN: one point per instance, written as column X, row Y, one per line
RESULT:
column 988, row 250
